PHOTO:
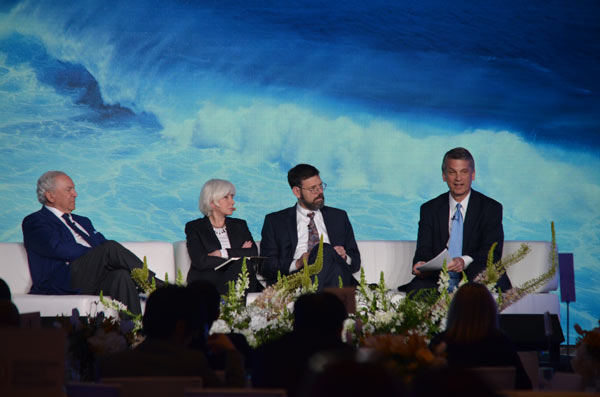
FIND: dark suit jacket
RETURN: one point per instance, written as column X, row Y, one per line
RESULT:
column 482, row 227
column 280, row 238
column 201, row 239
column 50, row 245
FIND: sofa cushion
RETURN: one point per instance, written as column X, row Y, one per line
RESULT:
column 14, row 268
column 393, row 257
column 159, row 255
column 182, row 258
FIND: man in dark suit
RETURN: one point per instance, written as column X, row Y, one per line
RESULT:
column 67, row 255
column 482, row 226
column 291, row 236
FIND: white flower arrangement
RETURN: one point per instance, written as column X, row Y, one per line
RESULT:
column 378, row 310
column 271, row 314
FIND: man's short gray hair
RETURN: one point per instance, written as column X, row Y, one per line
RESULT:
column 46, row 183
column 213, row 191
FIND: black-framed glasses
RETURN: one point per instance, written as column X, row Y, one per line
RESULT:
column 315, row 189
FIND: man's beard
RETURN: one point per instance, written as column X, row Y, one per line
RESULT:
column 314, row 205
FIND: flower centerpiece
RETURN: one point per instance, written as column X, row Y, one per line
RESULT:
column 92, row 337
column 406, row 354
column 271, row 314
column 379, row 311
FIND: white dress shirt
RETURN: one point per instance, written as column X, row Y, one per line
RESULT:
column 78, row 238
column 302, row 221
column 223, row 237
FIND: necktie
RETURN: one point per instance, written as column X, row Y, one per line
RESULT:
column 456, row 234
column 77, row 230
column 455, row 245
column 313, row 234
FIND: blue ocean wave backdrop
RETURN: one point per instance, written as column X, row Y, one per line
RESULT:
column 141, row 102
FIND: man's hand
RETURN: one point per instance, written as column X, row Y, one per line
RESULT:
column 341, row 251
column 215, row 253
column 416, row 265
column 457, row 265
column 247, row 244
column 300, row 261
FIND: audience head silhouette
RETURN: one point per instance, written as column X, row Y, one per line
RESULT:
column 170, row 316
column 9, row 314
column 322, row 312
column 473, row 314
column 4, row 290
column 207, row 297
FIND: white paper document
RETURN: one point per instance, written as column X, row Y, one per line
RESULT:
column 256, row 259
column 437, row 262
column 226, row 262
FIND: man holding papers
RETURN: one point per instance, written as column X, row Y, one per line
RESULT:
column 462, row 221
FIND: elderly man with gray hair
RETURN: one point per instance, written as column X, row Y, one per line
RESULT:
column 214, row 241
column 67, row 255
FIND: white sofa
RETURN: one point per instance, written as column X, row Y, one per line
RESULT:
column 14, row 269
column 394, row 258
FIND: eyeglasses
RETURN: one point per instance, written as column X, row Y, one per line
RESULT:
column 315, row 189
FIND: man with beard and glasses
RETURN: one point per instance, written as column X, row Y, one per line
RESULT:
column 291, row 236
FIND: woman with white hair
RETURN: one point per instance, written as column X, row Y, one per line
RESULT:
column 216, row 238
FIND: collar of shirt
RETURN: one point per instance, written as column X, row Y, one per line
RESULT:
column 59, row 215
column 56, row 212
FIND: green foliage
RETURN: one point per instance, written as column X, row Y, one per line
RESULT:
column 180, row 280
column 141, row 277
column 235, row 301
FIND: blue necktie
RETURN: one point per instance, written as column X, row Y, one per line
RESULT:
column 77, row 230
column 455, row 244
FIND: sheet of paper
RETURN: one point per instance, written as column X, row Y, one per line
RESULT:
column 226, row 262
column 248, row 258
column 437, row 262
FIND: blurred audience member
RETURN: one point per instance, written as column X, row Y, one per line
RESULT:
column 4, row 290
column 318, row 323
column 9, row 314
column 473, row 336
column 209, row 304
column 170, row 322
